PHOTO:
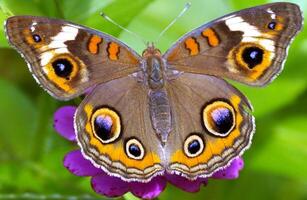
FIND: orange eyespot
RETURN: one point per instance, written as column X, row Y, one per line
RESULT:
column 251, row 58
column 33, row 39
column 249, row 55
column 219, row 118
column 106, row 125
column 275, row 26
column 61, row 70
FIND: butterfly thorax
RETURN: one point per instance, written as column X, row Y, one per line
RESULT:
column 153, row 68
column 154, row 77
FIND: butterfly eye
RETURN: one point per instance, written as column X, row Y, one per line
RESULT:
column 106, row 125
column 134, row 149
column 193, row 146
column 219, row 118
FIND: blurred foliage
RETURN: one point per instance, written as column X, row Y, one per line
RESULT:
column 31, row 152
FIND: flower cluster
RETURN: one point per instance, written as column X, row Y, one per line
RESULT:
column 112, row 186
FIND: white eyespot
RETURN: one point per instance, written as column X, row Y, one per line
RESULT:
column 193, row 146
column 134, row 149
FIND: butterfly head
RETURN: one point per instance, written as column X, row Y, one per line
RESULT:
column 151, row 50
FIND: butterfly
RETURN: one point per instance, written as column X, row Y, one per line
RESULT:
column 155, row 113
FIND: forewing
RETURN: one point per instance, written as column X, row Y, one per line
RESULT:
column 66, row 58
column 249, row 46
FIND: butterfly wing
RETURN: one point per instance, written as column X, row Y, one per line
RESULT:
column 211, row 125
column 114, row 130
column 67, row 58
column 249, row 46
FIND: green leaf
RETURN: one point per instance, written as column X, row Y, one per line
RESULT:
column 130, row 196
column 154, row 18
column 18, row 121
column 122, row 15
column 250, row 185
column 285, row 150
column 4, row 13
column 274, row 96
column 82, row 9
column 241, row 4
column 19, row 7
column 46, row 106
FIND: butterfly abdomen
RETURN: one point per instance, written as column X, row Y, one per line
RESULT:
column 159, row 106
column 160, row 113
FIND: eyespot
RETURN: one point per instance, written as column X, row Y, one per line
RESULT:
column 106, row 125
column 32, row 38
column 193, row 145
column 276, row 24
column 219, row 118
column 272, row 25
column 62, row 67
column 36, row 38
column 134, row 149
column 63, row 70
column 252, row 56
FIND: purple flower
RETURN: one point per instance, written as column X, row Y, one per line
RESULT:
column 112, row 186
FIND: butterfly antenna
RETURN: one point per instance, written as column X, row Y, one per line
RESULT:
column 186, row 7
column 106, row 17
column 7, row 13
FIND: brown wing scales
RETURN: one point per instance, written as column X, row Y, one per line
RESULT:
column 67, row 58
column 248, row 46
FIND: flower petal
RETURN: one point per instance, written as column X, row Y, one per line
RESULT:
column 185, row 184
column 148, row 190
column 232, row 171
column 63, row 122
column 78, row 165
column 109, row 186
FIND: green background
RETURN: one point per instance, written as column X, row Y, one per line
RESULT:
column 31, row 152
